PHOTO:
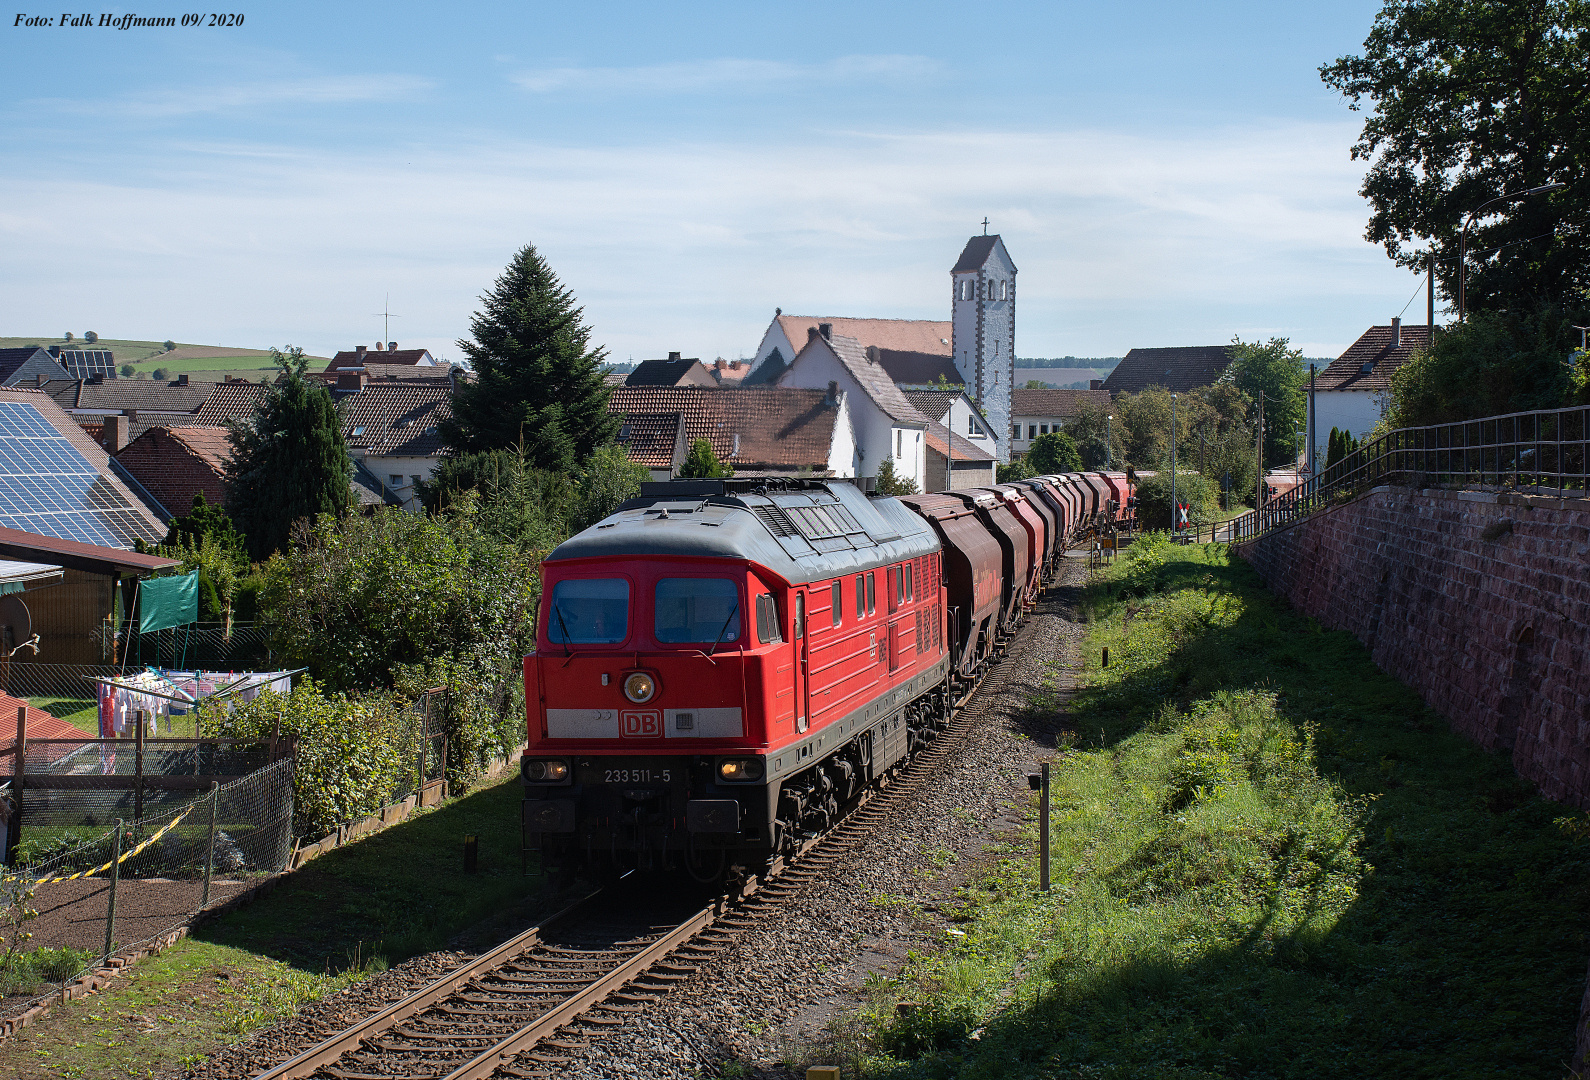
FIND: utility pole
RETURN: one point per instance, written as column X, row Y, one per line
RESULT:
column 1258, row 454
column 1175, row 507
column 1429, row 318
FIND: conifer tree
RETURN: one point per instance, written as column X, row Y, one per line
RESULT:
column 703, row 464
column 288, row 462
column 538, row 381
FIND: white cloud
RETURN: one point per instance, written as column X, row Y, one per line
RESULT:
column 1121, row 240
column 317, row 90
column 707, row 75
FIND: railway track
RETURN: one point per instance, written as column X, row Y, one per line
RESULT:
column 526, row 1007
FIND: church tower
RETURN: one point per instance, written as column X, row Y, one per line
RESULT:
column 984, row 336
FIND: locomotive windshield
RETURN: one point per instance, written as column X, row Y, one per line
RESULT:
column 697, row 610
column 589, row 611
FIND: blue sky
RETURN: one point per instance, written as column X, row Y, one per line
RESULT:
column 1163, row 173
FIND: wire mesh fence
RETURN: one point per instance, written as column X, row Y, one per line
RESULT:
column 127, row 885
column 193, row 645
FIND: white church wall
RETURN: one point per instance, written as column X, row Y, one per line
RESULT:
column 984, row 305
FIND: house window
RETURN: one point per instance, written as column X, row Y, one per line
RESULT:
column 899, row 442
column 971, row 425
column 1004, row 290
column 1043, row 429
column 1032, row 431
column 397, row 481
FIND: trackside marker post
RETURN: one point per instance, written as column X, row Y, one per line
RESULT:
column 1043, row 830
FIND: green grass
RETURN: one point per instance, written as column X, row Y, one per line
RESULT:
column 395, row 894
column 169, row 1013
column 1270, row 860
column 146, row 356
column 347, row 914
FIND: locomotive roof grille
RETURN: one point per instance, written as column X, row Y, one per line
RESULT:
column 777, row 521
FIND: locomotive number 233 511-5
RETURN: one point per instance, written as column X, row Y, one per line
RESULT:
column 636, row 776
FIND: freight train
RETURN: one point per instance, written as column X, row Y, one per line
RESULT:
column 723, row 667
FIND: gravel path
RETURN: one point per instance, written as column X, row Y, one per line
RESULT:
column 769, row 1000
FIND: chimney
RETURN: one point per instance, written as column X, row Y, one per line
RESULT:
column 359, row 349
column 43, row 378
column 132, row 417
column 1095, row 384
column 379, row 346
column 673, row 356
column 1396, row 333
column 182, row 378
column 873, row 354
column 827, row 330
column 391, row 346
column 113, row 435
column 96, row 378
column 350, row 381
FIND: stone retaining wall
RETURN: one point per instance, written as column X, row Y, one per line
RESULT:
column 1480, row 601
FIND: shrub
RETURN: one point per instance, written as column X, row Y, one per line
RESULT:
column 169, row 346
column 352, row 755
column 160, row 374
column 1153, row 498
column 128, row 371
column 891, row 482
column 91, row 337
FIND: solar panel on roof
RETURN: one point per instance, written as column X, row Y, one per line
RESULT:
column 83, row 363
column 48, row 487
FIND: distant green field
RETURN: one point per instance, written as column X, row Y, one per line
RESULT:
column 202, row 363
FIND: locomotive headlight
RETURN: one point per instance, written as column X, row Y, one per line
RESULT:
column 545, row 772
column 740, row 769
column 640, row 687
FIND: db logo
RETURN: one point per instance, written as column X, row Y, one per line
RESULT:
column 640, row 725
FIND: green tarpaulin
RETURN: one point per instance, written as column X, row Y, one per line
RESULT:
column 167, row 602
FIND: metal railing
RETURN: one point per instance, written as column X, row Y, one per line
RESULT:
column 1542, row 452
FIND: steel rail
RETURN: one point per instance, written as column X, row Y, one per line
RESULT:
column 329, row 1050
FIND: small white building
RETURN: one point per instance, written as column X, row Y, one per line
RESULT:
column 1354, row 392
column 1040, row 412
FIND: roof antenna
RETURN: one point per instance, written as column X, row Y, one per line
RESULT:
column 985, row 224
column 387, row 317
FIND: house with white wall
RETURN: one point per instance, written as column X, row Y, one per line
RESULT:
column 1354, row 392
column 886, row 425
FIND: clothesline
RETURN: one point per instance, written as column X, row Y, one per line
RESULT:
column 156, row 693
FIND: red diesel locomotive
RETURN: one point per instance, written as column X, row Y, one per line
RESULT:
column 723, row 666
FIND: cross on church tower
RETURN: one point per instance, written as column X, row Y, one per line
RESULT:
column 985, row 224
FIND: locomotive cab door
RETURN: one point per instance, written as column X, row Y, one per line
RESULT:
column 803, row 685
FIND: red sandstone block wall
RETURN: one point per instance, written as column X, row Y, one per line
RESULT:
column 1493, row 633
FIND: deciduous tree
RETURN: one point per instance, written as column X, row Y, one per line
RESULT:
column 1053, row 453
column 1470, row 101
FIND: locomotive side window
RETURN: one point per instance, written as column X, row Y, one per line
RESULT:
column 910, row 581
column 767, row 629
column 861, row 596
column 800, row 615
column 589, row 611
column 697, row 610
column 872, row 592
column 839, row 602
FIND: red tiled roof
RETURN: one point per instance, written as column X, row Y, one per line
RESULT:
column 1373, row 347
column 1061, row 403
column 777, row 426
column 397, row 420
column 228, row 402
column 649, row 439
column 175, row 463
column 965, row 450
column 1176, row 369
column 353, row 358
column 896, row 335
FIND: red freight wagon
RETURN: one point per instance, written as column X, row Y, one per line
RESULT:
column 973, row 576
column 1036, row 503
column 1008, row 532
column 1016, row 502
column 1053, row 508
